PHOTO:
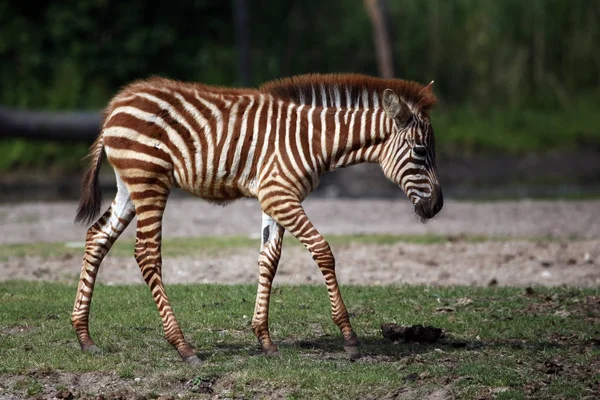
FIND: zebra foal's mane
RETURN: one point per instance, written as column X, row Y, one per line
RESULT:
column 337, row 89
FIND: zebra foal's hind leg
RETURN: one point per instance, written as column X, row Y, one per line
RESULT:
column 150, row 205
column 270, row 251
column 99, row 239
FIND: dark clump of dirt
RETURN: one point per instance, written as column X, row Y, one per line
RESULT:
column 64, row 394
column 551, row 367
column 414, row 333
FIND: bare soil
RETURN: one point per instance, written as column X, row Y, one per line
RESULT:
column 545, row 243
column 84, row 385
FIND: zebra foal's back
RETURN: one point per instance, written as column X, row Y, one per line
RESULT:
column 206, row 140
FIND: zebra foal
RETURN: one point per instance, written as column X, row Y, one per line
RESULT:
column 271, row 143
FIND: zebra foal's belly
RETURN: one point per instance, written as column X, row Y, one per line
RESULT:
column 218, row 191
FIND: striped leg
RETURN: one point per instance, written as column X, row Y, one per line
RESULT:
column 99, row 239
column 270, row 251
column 291, row 216
column 149, row 212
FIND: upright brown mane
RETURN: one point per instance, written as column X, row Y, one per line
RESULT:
column 172, row 84
column 310, row 88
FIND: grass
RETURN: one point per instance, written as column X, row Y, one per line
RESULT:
column 213, row 245
column 500, row 343
column 21, row 154
column 519, row 130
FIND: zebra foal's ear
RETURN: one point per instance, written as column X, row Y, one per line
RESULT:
column 394, row 107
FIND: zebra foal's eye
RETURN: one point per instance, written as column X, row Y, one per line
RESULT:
column 420, row 151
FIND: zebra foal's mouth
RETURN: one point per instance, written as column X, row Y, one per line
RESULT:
column 427, row 208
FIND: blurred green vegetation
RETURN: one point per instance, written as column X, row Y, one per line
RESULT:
column 512, row 76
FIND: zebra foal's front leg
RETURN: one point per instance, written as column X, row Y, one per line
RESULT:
column 268, row 259
column 290, row 214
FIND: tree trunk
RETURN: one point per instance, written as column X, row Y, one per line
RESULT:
column 377, row 10
column 242, row 39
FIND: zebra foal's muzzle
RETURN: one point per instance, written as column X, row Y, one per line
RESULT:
column 428, row 207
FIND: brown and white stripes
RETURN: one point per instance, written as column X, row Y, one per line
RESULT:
column 271, row 143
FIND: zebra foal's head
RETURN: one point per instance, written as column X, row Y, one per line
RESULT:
column 408, row 156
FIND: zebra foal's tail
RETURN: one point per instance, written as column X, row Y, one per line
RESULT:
column 91, row 196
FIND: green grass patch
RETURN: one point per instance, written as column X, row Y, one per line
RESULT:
column 499, row 342
column 20, row 154
column 519, row 130
column 213, row 245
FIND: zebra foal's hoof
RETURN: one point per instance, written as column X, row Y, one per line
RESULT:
column 272, row 351
column 91, row 349
column 192, row 360
column 351, row 346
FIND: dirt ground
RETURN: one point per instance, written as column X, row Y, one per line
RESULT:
column 541, row 243
column 546, row 243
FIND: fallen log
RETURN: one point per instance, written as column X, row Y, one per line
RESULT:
column 74, row 126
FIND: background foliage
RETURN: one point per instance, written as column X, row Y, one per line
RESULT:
column 501, row 67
